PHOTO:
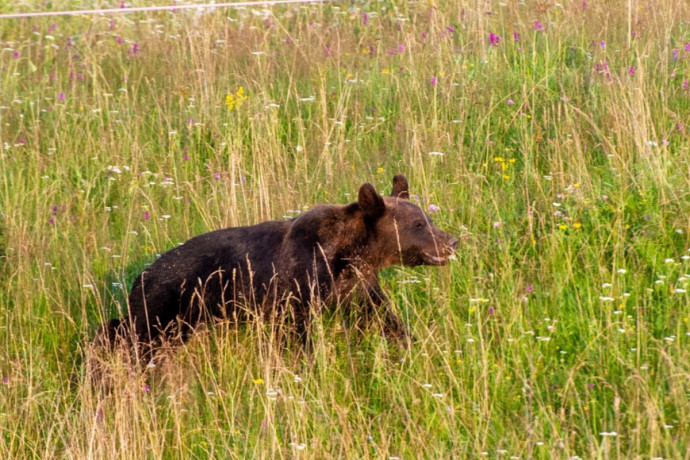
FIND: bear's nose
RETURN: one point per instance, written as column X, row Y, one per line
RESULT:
column 453, row 243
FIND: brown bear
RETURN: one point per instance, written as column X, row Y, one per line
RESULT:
column 276, row 268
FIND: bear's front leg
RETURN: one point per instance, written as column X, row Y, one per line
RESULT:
column 377, row 306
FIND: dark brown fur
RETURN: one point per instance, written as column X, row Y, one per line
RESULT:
column 329, row 252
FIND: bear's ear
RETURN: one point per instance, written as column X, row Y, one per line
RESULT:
column 371, row 202
column 401, row 189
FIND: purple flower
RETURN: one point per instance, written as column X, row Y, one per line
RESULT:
column 135, row 48
column 424, row 35
column 602, row 67
column 119, row 40
column 675, row 54
column 401, row 48
column 365, row 19
column 190, row 121
column 494, row 39
column 5, row 380
column 147, row 215
column 538, row 26
column 510, row 102
column 584, row 5
column 530, row 289
column 61, row 97
column 450, row 29
column 15, row 54
column 686, row 85
column 633, row 34
column 687, row 47
column 186, row 157
column 497, row 224
column 665, row 142
column 147, row 388
column 490, row 310
column 631, row 71
column 70, row 42
column 602, row 44
column 434, row 208
column 217, row 175
column 434, row 81
column 516, row 37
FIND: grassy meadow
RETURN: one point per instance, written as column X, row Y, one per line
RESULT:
column 551, row 138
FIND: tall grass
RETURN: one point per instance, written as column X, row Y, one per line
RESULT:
column 560, row 331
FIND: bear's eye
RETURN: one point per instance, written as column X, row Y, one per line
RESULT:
column 419, row 224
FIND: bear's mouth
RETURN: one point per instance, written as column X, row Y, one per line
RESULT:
column 431, row 259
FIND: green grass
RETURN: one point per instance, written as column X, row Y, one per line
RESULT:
column 564, row 172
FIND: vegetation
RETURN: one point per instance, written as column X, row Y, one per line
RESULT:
column 551, row 138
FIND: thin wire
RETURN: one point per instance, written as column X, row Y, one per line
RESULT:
column 159, row 8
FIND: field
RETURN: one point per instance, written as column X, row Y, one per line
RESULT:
column 552, row 139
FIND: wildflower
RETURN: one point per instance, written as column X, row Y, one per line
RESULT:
column 147, row 215
column 451, row 29
column 510, row 102
column 516, row 37
column 631, row 71
column 217, row 175
column 233, row 101
column 365, row 19
column 15, row 54
column 434, row 81
column 686, row 85
column 258, row 381
column 61, row 97
column 602, row 44
column 687, row 47
column 538, row 26
column 490, row 310
column 433, row 208
column 119, row 40
column 494, row 39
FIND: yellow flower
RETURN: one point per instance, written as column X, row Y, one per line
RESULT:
column 385, row 71
column 563, row 227
column 380, row 170
column 258, row 381
column 577, row 225
column 234, row 101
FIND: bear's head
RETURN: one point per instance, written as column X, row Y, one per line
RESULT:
column 401, row 232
